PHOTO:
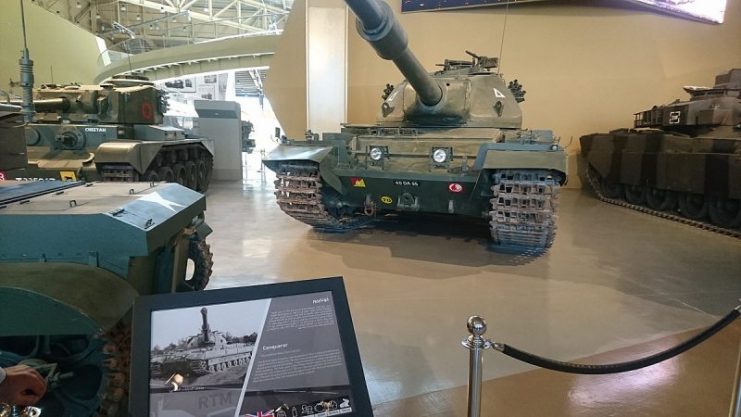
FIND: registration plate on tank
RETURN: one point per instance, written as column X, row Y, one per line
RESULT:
column 407, row 183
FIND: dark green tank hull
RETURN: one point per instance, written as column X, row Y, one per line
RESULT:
column 696, row 178
column 333, row 184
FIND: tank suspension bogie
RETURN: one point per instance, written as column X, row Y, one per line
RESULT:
column 188, row 165
column 718, row 214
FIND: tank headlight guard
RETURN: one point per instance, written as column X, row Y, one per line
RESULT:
column 441, row 155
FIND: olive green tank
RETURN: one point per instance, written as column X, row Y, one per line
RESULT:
column 111, row 132
column 447, row 142
column 680, row 161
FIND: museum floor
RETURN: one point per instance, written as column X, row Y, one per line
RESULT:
column 614, row 280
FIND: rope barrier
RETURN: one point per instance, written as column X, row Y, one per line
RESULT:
column 612, row 368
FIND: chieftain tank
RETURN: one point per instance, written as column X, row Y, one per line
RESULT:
column 73, row 258
column 204, row 353
column 680, row 161
column 448, row 142
column 112, row 132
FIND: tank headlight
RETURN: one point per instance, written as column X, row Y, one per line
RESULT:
column 440, row 155
column 376, row 153
column 554, row 147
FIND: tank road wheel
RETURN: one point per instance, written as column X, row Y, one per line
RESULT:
column 199, row 252
column 607, row 188
column 611, row 189
column 693, row 206
column 201, row 183
column 166, row 174
column 662, row 200
column 151, row 176
column 635, row 194
column 725, row 212
column 180, row 175
column 191, row 175
column 301, row 193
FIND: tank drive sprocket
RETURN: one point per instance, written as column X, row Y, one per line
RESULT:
column 524, row 208
column 300, row 193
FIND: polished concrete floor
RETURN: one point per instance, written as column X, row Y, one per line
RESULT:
column 613, row 279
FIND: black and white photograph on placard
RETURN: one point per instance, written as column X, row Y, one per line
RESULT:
column 203, row 348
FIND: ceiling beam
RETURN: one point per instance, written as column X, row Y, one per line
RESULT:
column 195, row 15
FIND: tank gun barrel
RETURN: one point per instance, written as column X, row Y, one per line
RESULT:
column 205, row 329
column 51, row 104
column 378, row 25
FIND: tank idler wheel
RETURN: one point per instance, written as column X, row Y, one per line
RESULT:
column 191, row 175
column 725, row 212
column 151, row 176
column 662, row 200
column 693, row 206
column 167, row 174
column 179, row 170
column 635, row 194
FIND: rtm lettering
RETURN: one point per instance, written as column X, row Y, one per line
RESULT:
column 216, row 400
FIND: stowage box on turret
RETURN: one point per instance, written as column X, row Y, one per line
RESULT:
column 682, row 160
column 112, row 132
column 448, row 142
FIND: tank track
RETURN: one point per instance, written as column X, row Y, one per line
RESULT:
column 203, row 260
column 298, row 192
column 118, row 352
column 188, row 166
column 523, row 215
column 663, row 214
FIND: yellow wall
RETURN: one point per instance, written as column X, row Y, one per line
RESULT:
column 52, row 41
column 285, row 85
column 584, row 68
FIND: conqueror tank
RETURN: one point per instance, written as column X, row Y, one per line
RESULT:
column 681, row 160
column 111, row 132
column 204, row 353
column 449, row 142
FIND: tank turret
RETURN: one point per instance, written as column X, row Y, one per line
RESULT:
column 446, row 142
column 710, row 109
column 463, row 93
column 123, row 100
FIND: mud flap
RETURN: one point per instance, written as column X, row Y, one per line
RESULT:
column 61, row 298
column 319, row 155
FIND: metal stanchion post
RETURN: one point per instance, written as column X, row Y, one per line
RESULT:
column 476, row 344
column 736, row 395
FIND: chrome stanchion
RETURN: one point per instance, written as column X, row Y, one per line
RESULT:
column 736, row 395
column 476, row 344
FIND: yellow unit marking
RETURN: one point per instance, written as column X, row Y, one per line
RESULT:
column 68, row 175
column 387, row 200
